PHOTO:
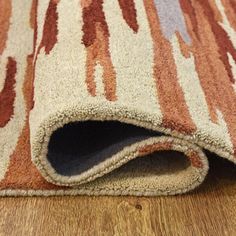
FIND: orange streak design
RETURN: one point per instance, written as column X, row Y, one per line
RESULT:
column 7, row 95
column 33, row 21
column 96, row 40
column 151, row 148
column 171, row 98
column 5, row 14
column 221, row 37
column 208, row 50
column 224, row 43
column 194, row 159
column 187, row 7
column 230, row 9
column 183, row 46
column 167, row 146
column 129, row 13
column 22, row 173
column 50, row 30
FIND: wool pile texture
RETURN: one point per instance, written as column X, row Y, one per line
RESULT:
column 115, row 97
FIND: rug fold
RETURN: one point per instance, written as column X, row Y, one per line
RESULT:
column 91, row 149
column 111, row 97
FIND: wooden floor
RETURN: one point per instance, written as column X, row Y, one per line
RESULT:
column 211, row 210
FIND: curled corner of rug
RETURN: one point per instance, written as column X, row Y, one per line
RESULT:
column 113, row 157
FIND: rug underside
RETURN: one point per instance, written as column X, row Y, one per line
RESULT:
column 115, row 97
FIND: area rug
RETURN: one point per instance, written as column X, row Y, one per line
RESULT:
column 115, row 97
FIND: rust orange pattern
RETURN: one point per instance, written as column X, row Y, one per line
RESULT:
column 174, row 108
column 216, row 83
column 7, row 95
column 129, row 13
column 96, row 40
column 5, row 14
column 50, row 30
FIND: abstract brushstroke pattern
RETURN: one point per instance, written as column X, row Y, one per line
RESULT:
column 22, row 151
column 5, row 14
column 217, row 78
column 7, row 95
column 50, row 30
column 96, row 40
column 174, row 108
column 171, row 19
column 49, row 36
column 129, row 13
column 223, row 42
column 50, row 73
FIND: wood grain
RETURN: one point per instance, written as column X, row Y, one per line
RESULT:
column 210, row 210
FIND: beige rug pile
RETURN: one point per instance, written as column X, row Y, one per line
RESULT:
column 115, row 97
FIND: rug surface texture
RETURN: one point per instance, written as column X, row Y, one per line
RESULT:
column 115, row 97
